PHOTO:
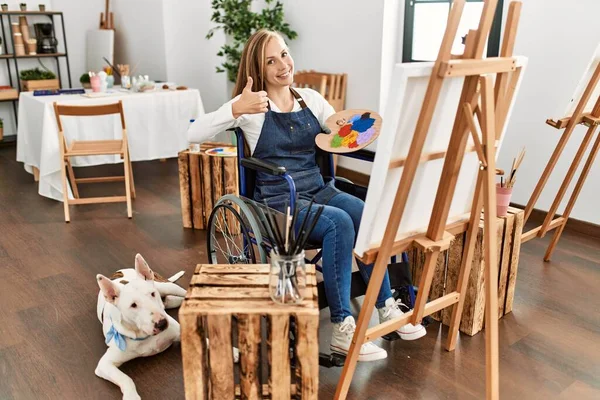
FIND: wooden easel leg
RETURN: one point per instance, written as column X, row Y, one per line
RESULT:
column 467, row 259
column 361, row 326
column 490, row 243
column 424, row 286
column 573, row 199
column 565, row 185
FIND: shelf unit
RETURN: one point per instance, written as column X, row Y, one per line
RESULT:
column 5, row 16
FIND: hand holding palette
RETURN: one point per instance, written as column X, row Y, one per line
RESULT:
column 351, row 130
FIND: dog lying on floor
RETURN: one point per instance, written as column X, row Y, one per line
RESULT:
column 131, row 307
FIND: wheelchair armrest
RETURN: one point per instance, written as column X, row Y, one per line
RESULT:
column 263, row 166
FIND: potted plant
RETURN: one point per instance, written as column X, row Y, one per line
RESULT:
column 32, row 79
column 23, row 6
column 4, row 7
column 42, row 7
column 238, row 22
column 84, row 79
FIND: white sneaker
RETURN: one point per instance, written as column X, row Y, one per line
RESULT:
column 341, row 339
column 392, row 311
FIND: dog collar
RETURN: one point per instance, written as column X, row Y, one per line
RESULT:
column 119, row 338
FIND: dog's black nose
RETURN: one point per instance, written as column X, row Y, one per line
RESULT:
column 162, row 324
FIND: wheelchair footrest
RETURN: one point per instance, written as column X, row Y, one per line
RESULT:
column 331, row 360
column 391, row 336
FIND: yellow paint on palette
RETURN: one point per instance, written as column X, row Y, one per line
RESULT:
column 349, row 138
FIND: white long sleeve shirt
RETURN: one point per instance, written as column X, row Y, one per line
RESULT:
column 208, row 125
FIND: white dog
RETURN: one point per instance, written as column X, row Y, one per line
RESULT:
column 131, row 308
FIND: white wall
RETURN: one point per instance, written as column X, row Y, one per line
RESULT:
column 80, row 16
column 192, row 59
column 559, row 40
column 140, row 37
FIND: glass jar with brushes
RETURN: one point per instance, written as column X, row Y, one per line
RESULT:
column 287, row 277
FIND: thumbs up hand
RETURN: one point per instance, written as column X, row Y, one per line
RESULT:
column 250, row 102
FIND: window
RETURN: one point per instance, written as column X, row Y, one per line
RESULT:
column 425, row 24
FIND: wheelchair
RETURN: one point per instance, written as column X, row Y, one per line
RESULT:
column 237, row 228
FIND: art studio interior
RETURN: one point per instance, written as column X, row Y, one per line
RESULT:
column 281, row 199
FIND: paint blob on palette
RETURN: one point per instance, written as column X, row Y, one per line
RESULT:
column 351, row 130
column 227, row 151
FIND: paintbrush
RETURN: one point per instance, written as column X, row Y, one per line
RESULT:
column 516, row 164
column 312, row 227
column 113, row 68
column 301, row 230
column 274, row 228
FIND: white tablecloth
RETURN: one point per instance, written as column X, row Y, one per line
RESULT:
column 157, row 124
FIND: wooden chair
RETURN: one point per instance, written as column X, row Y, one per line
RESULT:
column 331, row 86
column 93, row 148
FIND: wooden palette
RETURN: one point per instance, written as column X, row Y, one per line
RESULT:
column 227, row 151
column 351, row 130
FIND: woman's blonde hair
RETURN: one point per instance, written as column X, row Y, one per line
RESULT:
column 252, row 62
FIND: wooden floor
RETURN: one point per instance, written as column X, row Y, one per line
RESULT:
column 50, row 338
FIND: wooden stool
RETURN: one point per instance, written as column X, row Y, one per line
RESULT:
column 509, row 229
column 223, row 296
column 203, row 180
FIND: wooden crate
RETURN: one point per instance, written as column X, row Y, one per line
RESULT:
column 29, row 86
column 448, row 267
column 203, row 180
column 225, row 306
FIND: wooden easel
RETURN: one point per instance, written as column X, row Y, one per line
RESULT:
column 107, row 20
column 491, row 112
column 591, row 120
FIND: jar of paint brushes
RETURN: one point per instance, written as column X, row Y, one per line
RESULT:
column 287, row 279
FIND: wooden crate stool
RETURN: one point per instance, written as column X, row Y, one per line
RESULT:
column 509, row 230
column 203, row 180
column 225, row 306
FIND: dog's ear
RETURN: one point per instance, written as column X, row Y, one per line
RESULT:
column 109, row 289
column 141, row 266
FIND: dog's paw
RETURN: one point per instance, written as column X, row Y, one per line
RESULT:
column 131, row 396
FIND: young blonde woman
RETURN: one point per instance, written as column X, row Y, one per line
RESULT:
column 280, row 124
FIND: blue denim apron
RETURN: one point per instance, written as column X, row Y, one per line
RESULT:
column 288, row 140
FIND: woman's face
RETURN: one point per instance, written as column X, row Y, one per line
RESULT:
column 279, row 69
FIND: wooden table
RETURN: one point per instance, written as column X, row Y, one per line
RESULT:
column 225, row 305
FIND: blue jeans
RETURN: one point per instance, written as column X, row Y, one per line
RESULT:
column 336, row 229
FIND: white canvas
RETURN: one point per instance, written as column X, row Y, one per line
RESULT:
column 406, row 94
column 587, row 75
column 99, row 43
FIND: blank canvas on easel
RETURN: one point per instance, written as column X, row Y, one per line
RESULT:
column 581, row 86
column 407, row 91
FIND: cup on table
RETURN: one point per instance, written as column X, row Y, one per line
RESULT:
column 96, row 84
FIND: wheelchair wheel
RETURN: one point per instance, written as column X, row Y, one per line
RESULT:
column 233, row 233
